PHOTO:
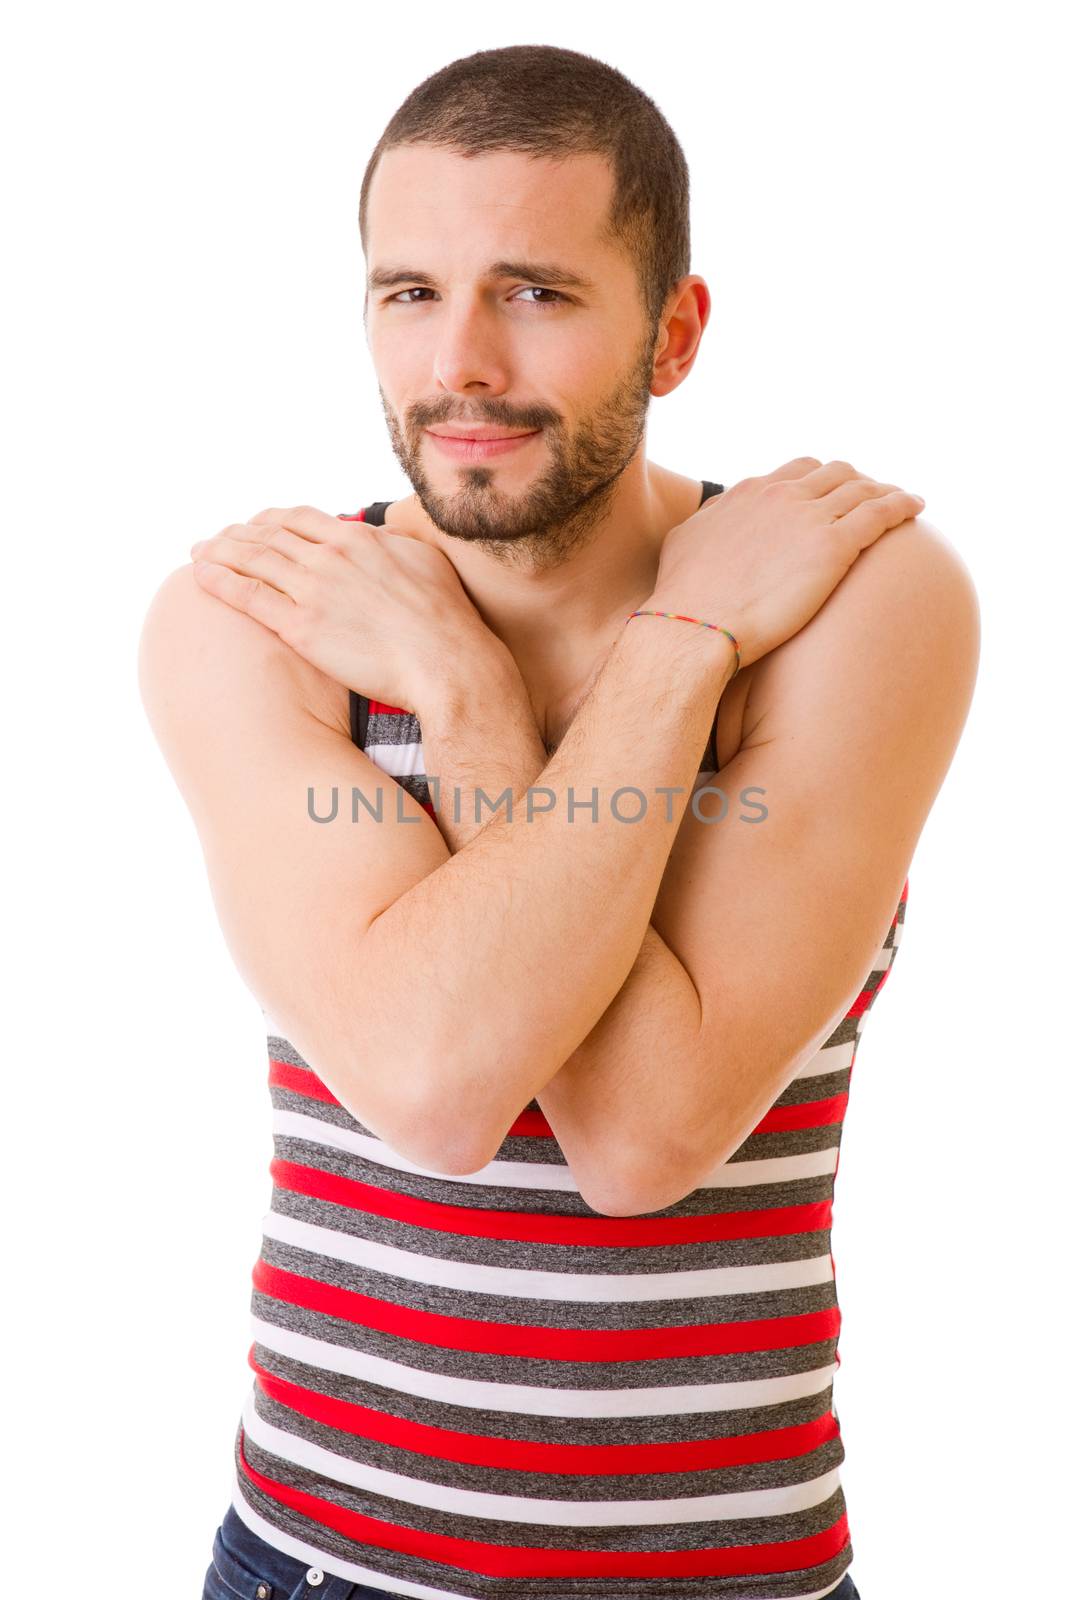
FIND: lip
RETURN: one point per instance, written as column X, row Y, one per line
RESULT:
column 479, row 449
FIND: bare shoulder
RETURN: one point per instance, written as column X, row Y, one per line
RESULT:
column 904, row 619
column 850, row 727
column 295, row 897
column 190, row 640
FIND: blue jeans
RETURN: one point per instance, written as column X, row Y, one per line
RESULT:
column 244, row 1567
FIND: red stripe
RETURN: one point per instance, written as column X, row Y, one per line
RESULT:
column 553, row 1344
column 522, row 1455
column 377, row 706
column 808, row 1114
column 773, row 1222
column 301, row 1080
column 533, row 1124
column 863, row 1001
column 529, row 1561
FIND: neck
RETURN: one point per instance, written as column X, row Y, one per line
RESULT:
column 543, row 614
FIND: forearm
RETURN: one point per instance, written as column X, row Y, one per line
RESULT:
column 621, row 1135
column 496, row 747
column 552, row 904
column 605, row 1103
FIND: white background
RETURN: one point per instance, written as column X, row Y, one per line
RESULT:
column 874, row 206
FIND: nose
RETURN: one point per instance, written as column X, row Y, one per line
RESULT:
column 471, row 350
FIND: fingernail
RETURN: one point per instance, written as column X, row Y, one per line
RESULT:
column 193, row 548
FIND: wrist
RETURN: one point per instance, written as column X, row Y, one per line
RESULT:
column 466, row 676
column 687, row 632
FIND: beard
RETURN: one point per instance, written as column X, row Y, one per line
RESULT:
column 541, row 526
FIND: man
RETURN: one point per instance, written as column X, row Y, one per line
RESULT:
column 546, row 1303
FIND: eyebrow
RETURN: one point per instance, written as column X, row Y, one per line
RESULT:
column 549, row 273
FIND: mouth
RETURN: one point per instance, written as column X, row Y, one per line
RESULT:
column 479, row 449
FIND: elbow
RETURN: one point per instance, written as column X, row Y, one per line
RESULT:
column 402, row 1090
column 383, row 1084
column 459, row 1123
column 419, row 1139
column 640, row 1193
column 631, row 1203
column 448, row 1140
column 428, row 1140
column 613, row 1206
column 456, row 1158
column 621, row 1198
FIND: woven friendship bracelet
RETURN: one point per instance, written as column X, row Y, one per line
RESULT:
column 678, row 617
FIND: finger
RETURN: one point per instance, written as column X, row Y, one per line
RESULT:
column 255, row 598
column 853, row 492
column 797, row 468
column 398, row 533
column 318, row 526
column 831, row 475
column 253, row 560
column 261, row 535
column 868, row 521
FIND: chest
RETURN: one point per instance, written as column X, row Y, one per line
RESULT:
column 554, row 719
column 553, row 714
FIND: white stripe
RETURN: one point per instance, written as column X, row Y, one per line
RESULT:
column 668, row 1400
column 778, row 1502
column 612, row 1288
column 540, row 1174
column 829, row 1058
column 326, row 1561
column 399, row 760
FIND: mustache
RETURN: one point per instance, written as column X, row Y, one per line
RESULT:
column 420, row 419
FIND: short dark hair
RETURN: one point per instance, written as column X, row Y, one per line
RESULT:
column 547, row 101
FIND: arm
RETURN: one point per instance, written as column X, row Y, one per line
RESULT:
column 332, row 925
column 778, row 923
column 764, row 958
column 781, row 547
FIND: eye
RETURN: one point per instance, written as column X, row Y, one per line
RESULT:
column 557, row 297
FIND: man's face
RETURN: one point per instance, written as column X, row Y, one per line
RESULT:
column 454, row 343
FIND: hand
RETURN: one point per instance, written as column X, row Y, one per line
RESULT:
column 375, row 609
column 761, row 558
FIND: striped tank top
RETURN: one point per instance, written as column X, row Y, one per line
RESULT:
column 474, row 1387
